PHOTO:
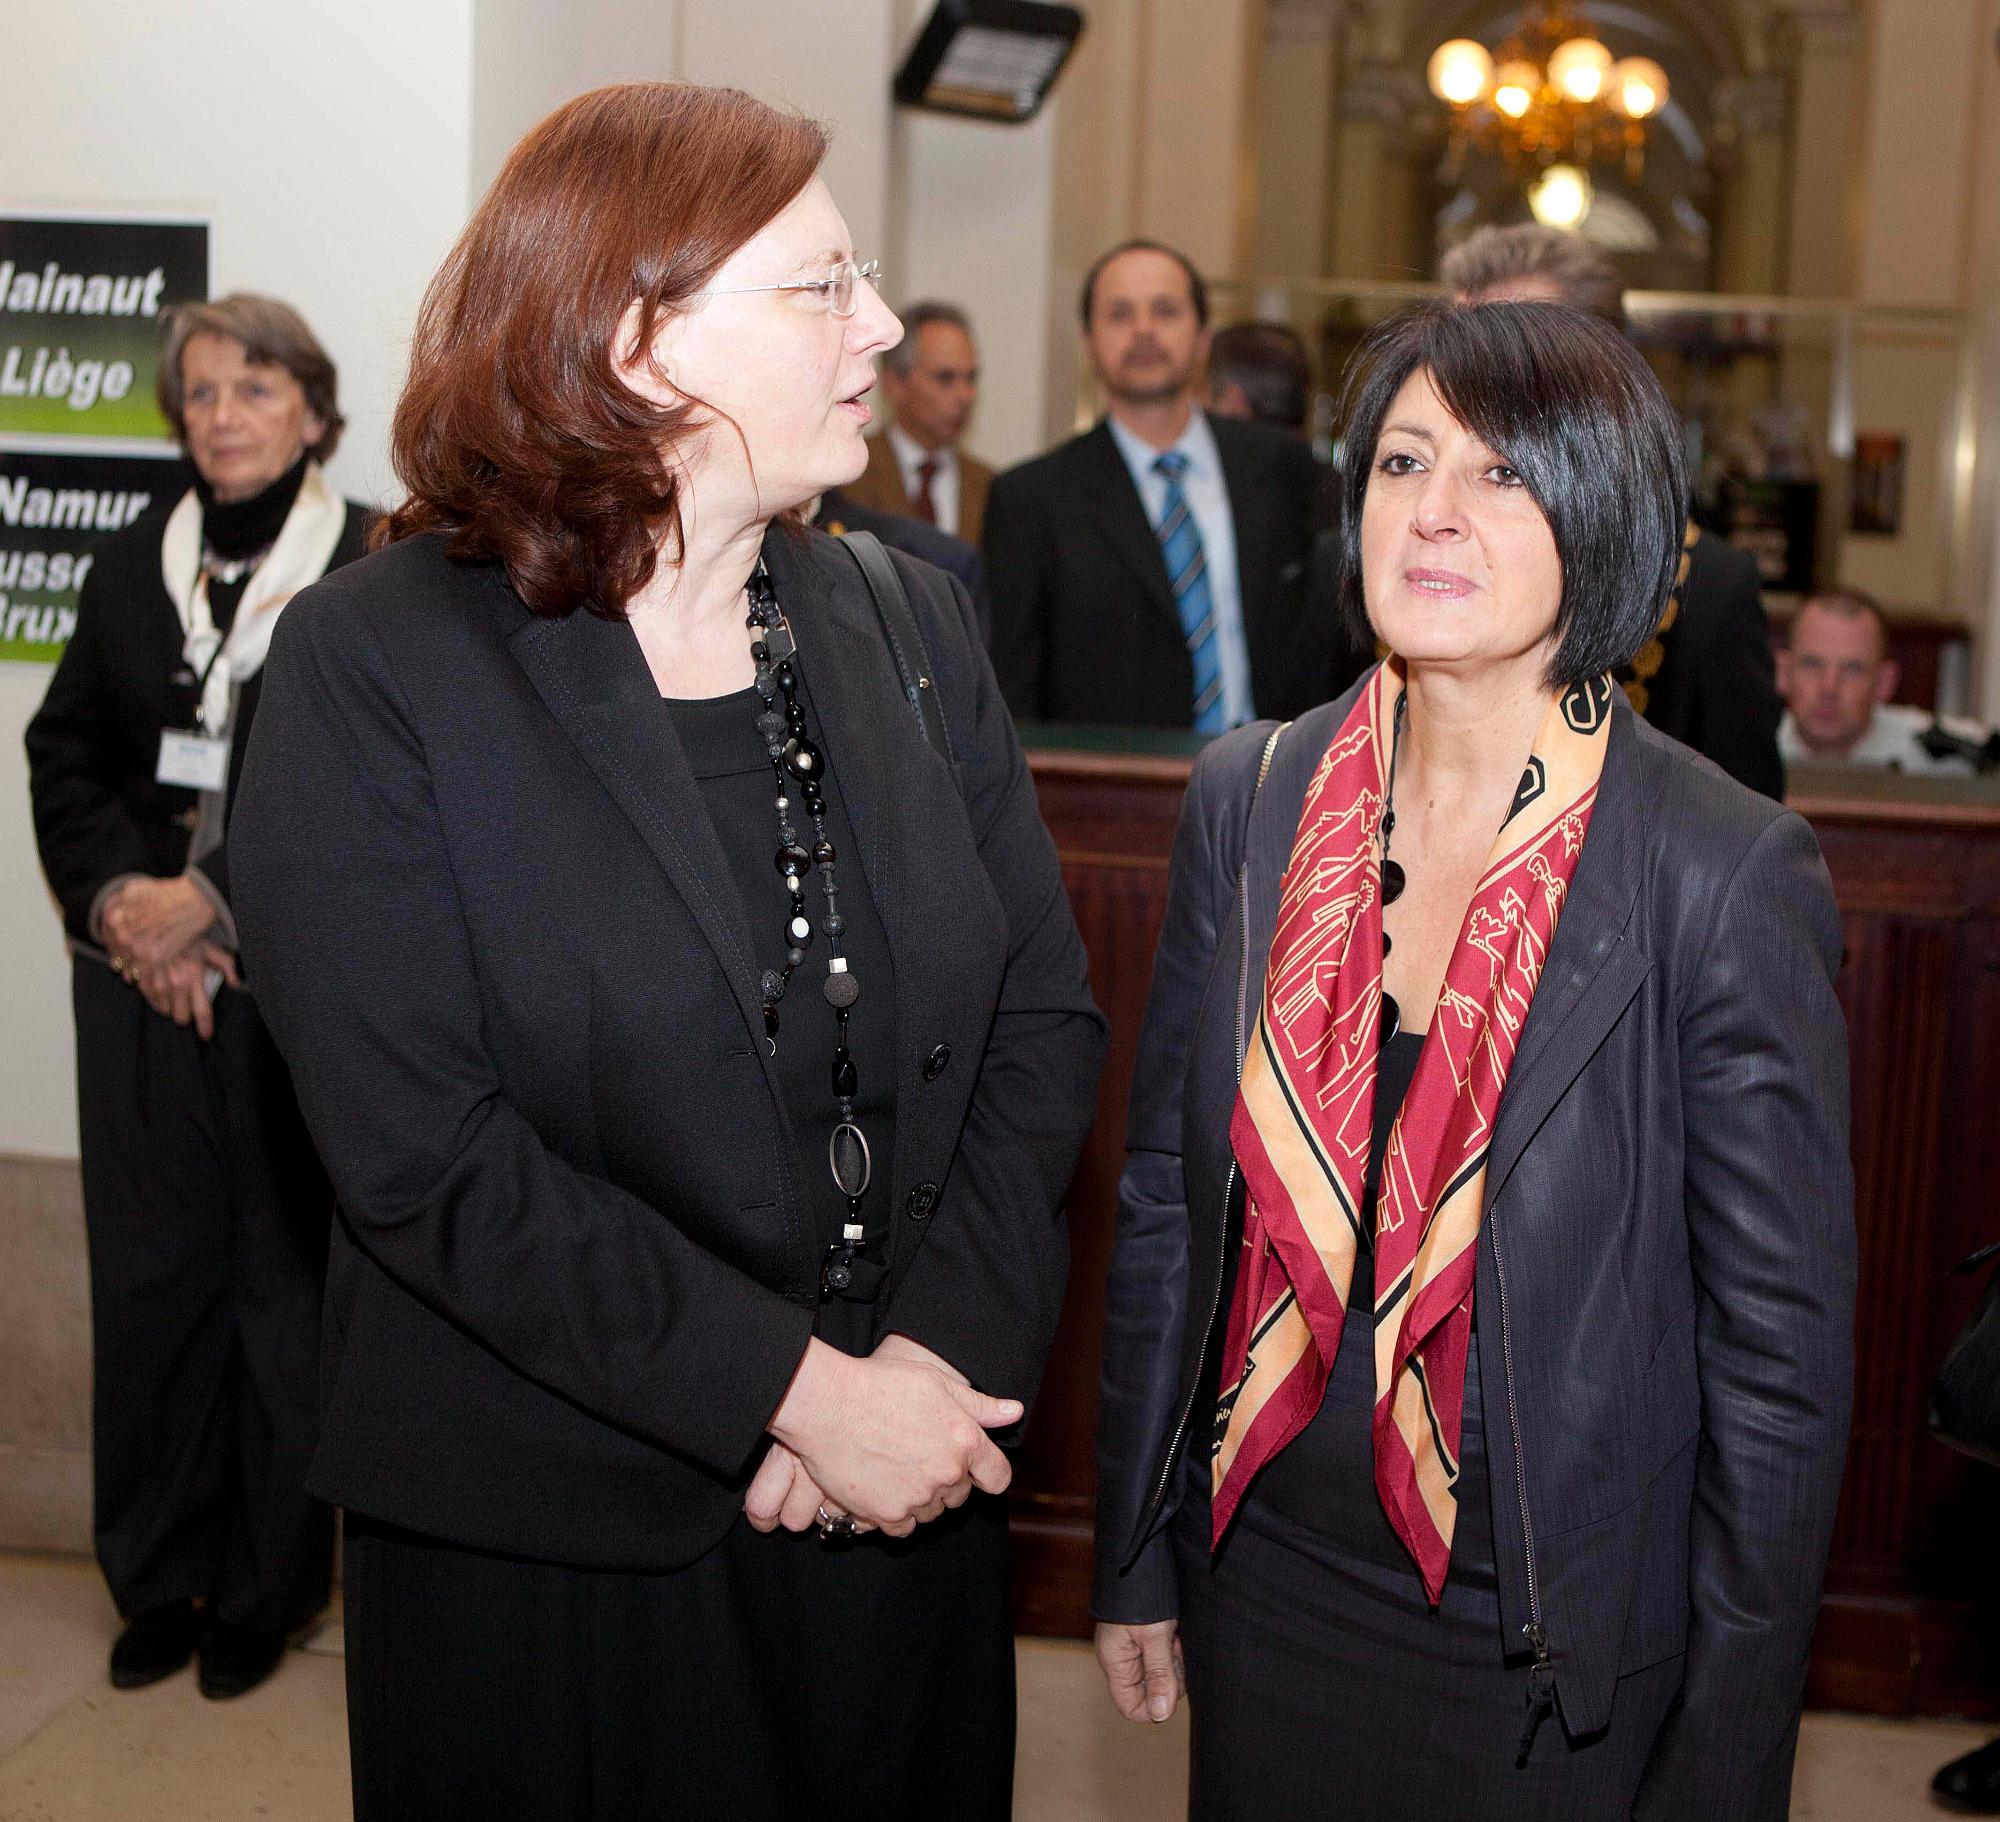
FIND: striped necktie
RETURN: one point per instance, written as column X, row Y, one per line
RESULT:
column 1187, row 569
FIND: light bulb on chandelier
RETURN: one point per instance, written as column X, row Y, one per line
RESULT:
column 1560, row 197
column 1637, row 87
column 1459, row 71
column 1579, row 68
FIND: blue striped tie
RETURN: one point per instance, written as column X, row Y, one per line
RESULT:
column 1187, row 569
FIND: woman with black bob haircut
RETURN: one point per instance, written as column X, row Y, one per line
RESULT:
column 1478, row 1336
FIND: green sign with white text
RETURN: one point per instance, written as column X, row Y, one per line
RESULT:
column 54, row 511
column 80, row 315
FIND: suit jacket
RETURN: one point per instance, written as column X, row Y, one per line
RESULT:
column 1084, row 623
column 838, row 512
column 94, row 743
column 1716, row 689
column 1665, row 1280
column 881, row 486
column 502, row 950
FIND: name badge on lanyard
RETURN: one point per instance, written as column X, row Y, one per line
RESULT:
column 194, row 758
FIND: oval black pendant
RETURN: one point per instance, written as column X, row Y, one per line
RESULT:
column 841, row 990
column 1392, row 881
column 792, row 860
column 802, row 759
column 847, row 1157
column 1392, row 1017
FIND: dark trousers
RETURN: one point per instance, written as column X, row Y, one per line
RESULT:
column 207, row 1215
column 775, row 1679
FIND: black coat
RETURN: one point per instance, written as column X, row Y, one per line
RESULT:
column 840, row 512
column 500, row 945
column 1717, row 686
column 94, row 743
column 1084, row 623
column 1665, row 1282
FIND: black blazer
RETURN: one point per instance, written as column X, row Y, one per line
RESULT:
column 501, row 948
column 94, row 743
column 840, row 512
column 1665, row 1280
column 1084, row 623
column 1717, row 686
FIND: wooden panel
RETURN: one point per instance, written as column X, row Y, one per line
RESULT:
column 1911, row 1622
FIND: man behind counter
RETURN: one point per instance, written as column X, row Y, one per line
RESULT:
column 1836, row 676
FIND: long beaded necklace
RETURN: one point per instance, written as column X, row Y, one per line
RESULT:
column 1393, row 880
column 799, row 766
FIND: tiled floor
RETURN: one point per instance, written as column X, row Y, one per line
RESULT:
column 72, row 1750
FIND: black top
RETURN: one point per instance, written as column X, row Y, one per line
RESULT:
column 244, row 528
column 730, row 765
column 1319, row 1493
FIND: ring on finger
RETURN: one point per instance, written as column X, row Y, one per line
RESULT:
column 836, row 1524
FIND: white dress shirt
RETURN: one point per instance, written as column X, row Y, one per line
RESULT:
column 1208, row 503
column 910, row 456
column 1892, row 742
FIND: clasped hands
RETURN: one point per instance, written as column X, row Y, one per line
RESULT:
column 157, row 933
column 890, row 1441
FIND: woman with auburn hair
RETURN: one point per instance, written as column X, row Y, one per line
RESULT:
column 1479, row 1331
column 697, row 1035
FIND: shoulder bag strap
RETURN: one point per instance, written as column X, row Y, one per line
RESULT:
column 905, row 638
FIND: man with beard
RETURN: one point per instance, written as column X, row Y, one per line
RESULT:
column 1151, row 571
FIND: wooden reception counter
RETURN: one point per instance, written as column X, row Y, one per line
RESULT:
column 1913, row 1587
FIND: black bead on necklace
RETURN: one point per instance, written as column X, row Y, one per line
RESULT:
column 1392, row 871
column 800, row 768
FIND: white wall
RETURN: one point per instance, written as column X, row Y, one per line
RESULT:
column 976, row 231
column 826, row 58
column 528, row 56
column 331, row 151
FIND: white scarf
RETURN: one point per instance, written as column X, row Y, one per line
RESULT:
column 304, row 547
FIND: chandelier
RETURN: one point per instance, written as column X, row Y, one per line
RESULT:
column 1551, row 99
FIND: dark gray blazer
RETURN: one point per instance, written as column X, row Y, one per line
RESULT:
column 497, row 939
column 1666, row 1272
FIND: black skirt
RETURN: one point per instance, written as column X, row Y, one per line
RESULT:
column 777, row 1676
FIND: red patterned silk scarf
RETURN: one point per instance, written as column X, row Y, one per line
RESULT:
column 1305, row 1108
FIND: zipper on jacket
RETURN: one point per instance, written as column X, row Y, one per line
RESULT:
column 1542, row 1677
column 1228, row 1188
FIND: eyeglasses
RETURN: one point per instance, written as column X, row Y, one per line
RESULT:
column 836, row 289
